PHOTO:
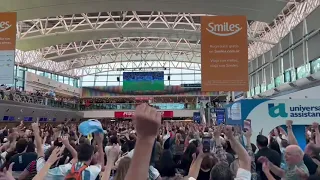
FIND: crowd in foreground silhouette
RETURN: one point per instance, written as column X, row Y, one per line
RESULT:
column 148, row 149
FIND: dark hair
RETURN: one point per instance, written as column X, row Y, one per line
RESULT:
column 253, row 147
column 221, row 171
column 85, row 152
column 167, row 165
column 113, row 140
column 262, row 141
column 209, row 161
column 21, row 145
column 274, row 145
column 31, row 147
column 284, row 143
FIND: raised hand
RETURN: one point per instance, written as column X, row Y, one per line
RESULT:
column 65, row 140
column 315, row 125
column 217, row 131
column 248, row 133
column 265, row 167
column 55, row 155
column 228, row 132
column 7, row 174
column 147, row 121
column 289, row 123
column 263, row 159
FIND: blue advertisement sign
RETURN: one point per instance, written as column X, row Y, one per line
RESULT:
column 220, row 115
column 197, row 117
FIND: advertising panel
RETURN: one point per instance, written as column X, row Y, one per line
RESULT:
column 130, row 114
column 8, row 21
column 266, row 114
column 224, row 53
column 220, row 114
column 197, row 117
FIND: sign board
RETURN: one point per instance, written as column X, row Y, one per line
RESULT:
column 8, row 21
column 130, row 114
column 224, row 53
column 267, row 114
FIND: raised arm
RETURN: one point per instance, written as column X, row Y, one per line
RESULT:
column 244, row 158
column 291, row 138
column 315, row 126
column 248, row 135
column 66, row 143
column 55, row 155
column 147, row 122
column 273, row 168
column 220, row 152
column 37, row 138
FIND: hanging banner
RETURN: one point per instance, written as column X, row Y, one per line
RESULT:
column 224, row 53
column 220, row 115
column 197, row 117
column 8, row 21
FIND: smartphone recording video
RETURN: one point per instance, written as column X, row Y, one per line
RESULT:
column 246, row 125
column 206, row 143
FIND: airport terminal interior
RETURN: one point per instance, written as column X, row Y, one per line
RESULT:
column 159, row 90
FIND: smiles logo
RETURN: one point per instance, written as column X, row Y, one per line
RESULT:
column 276, row 111
column 224, row 29
column 4, row 25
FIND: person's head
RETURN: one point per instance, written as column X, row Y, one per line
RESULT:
column 21, row 145
column 293, row 155
column 208, row 162
column 113, row 140
column 274, row 145
column 284, row 143
column 122, row 168
column 85, row 153
column 312, row 150
column 178, row 138
column 221, row 171
column 262, row 141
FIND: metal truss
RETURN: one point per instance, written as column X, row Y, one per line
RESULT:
column 289, row 18
column 141, row 36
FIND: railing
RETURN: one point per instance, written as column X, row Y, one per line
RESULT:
column 47, row 101
column 132, row 106
column 39, row 100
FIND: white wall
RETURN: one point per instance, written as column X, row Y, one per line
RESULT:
column 36, row 82
column 310, row 93
column 110, row 114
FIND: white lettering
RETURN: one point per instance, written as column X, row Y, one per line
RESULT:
column 4, row 25
column 224, row 29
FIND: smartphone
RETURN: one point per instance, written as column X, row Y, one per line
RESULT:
column 206, row 143
column 247, row 125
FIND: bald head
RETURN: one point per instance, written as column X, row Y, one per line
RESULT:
column 293, row 155
column 294, row 149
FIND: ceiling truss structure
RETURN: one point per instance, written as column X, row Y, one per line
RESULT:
column 137, row 39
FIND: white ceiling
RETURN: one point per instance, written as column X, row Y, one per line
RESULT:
column 260, row 10
column 66, row 33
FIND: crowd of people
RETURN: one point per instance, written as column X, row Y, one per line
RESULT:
column 147, row 148
column 38, row 97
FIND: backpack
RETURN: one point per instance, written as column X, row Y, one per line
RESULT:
column 75, row 175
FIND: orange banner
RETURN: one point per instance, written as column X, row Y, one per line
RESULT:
column 224, row 53
column 8, row 22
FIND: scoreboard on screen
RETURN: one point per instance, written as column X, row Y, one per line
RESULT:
column 143, row 81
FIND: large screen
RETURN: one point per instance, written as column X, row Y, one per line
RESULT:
column 143, row 81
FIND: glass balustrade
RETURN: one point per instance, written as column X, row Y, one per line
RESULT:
column 75, row 105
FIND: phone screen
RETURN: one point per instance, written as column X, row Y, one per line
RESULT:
column 206, row 144
column 247, row 124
